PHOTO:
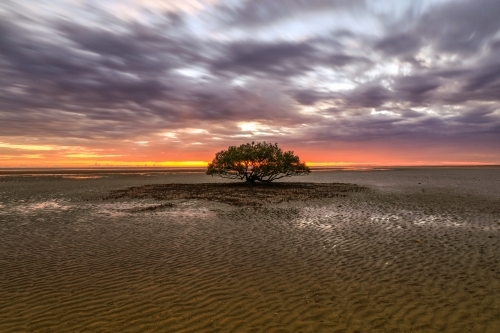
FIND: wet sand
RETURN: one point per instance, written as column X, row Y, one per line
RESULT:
column 93, row 255
column 238, row 194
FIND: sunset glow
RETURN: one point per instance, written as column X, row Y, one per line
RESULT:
column 171, row 83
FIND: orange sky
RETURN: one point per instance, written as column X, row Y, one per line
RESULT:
column 199, row 155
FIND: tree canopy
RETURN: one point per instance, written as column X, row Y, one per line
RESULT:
column 262, row 161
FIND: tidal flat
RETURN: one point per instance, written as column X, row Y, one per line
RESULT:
column 393, row 250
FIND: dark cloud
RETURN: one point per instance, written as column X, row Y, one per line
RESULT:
column 495, row 44
column 486, row 77
column 480, row 115
column 367, row 95
column 415, row 88
column 340, row 60
column 280, row 59
column 283, row 58
column 309, row 97
column 401, row 44
column 460, row 26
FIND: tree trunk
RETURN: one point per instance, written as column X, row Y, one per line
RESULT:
column 250, row 180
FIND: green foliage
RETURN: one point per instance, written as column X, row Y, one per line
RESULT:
column 260, row 161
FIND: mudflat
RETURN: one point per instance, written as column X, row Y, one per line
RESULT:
column 239, row 194
column 407, row 251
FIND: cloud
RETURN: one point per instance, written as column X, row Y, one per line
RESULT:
column 282, row 58
column 400, row 44
column 487, row 77
column 367, row 95
column 262, row 12
column 309, row 97
column 416, row 89
column 89, row 76
column 460, row 26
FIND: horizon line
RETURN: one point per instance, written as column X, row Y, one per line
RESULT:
column 319, row 166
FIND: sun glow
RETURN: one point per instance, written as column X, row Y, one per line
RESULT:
column 25, row 147
column 330, row 164
column 89, row 155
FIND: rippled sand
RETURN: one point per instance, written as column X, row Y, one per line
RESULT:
column 407, row 259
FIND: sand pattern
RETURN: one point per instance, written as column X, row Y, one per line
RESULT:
column 368, row 261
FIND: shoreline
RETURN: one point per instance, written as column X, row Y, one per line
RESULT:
column 140, row 170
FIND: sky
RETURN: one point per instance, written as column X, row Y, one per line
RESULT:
column 170, row 83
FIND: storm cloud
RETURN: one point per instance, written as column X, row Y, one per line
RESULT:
column 171, row 80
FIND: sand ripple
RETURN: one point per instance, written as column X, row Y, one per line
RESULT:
column 367, row 262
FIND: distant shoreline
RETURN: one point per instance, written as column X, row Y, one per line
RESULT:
column 66, row 171
column 134, row 170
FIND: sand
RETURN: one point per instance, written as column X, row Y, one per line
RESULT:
column 237, row 193
column 93, row 255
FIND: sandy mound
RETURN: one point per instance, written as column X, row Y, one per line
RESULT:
column 239, row 194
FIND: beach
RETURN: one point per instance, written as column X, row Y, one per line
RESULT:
column 376, row 250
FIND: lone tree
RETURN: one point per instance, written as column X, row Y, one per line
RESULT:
column 262, row 161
